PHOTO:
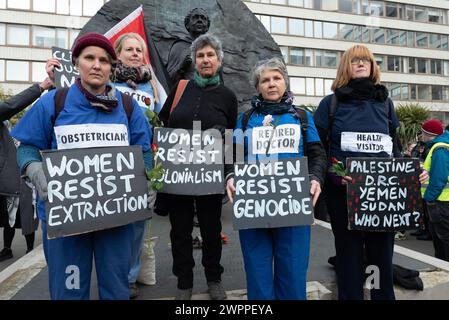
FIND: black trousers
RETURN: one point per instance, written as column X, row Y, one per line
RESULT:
column 181, row 213
column 352, row 245
column 439, row 227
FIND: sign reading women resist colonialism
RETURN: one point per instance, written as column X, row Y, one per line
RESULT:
column 272, row 194
column 93, row 189
column 384, row 194
column 192, row 161
column 66, row 73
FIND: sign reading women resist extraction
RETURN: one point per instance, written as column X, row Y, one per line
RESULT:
column 384, row 194
column 272, row 194
column 94, row 189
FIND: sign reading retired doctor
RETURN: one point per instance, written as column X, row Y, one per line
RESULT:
column 94, row 189
column 192, row 161
column 384, row 194
column 272, row 194
column 66, row 73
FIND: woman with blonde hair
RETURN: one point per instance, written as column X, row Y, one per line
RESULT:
column 360, row 104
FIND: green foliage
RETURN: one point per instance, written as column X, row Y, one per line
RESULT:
column 411, row 116
column 309, row 107
column 5, row 96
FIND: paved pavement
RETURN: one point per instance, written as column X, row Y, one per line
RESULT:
column 233, row 277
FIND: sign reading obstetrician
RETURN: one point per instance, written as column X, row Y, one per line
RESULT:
column 272, row 194
column 66, row 74
column 384, row 194
column 192, row 161
column 94, row 189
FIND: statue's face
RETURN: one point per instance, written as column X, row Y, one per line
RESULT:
column 197, row 23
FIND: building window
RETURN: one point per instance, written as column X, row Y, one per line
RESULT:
column 411, row 65
column 410, row 39
column 328, row 86
column 330, row 59
column 17, row 35
column 2, row 34
column 90, row 7
column 308, row 28
column 317, row 29
column 298, row 85
column 330, row 30
column 296, row 3
column 446, row 68
column 421, row 39
column 393, row 36
column 346, row 32
column 329, row 5
column 423, row 92
column 395, row 91
column 76, row 8
column 38, row 71
column 319, row 87
column 421, row 65
column 73, row 36
column 435, row 40
column 308, row 58
column 310, row 86
column 284, row 52
column 296, row 27
column 409, row 13
column 444, row 41
column 437, row 93
column 391, row 10
column 378, row 35
column 421, row 14
column 2, row 4
column 2, row 70
column 297, row 56
column 17, row 71
column 345, row 5
column 278, row 25
column 278, row 1
column 380, row 62
column 435, row 66
column 319, row 58
column 44, row 5
column 62, row 7
column 404, row 92
column 19, row 4
column 413, row 92
column 62, row 38
column 394, row 64
column 435, row 15
column 377, row 8
column 266, row 22
column 44, row 37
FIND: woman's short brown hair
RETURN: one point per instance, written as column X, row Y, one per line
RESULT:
column 344, row 71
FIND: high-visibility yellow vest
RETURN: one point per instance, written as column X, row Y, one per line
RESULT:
column 444, row 196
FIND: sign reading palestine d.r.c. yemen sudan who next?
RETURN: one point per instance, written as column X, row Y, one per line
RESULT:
column 272, row 194
column 94, row 188
column 192, row 161
column 384, row 194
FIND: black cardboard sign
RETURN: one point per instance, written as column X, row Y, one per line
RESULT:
column 192, row 161
column 384, row 194
column 66, row 74
column 94, row 189
column 272, row 194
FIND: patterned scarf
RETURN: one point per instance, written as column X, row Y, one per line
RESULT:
column 104, row 102
column 265, row 107
column 131, row 75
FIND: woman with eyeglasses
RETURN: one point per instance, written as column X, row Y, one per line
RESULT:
column 361, row 105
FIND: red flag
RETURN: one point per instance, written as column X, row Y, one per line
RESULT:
column 134, row 23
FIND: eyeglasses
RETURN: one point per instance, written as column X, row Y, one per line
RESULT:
column 357, row 60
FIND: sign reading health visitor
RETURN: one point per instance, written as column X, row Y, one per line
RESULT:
column 192, row 161
column 66, row 74
column 272, row 194
column 384, row 194
column 94, row 189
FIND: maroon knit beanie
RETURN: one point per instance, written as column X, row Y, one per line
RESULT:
column 92, row 39
column 433, row 127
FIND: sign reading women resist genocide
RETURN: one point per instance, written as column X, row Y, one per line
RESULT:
column 384, row 194
column 192, row 161
column 272, row 194
column 66, row 74
column 94, row 189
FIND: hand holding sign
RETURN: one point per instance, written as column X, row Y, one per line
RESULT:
column 50, row 66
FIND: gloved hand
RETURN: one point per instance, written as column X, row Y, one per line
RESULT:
column 35, row 172
column 151, row 197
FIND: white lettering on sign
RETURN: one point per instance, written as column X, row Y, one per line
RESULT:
column 366, row 142
column 139, row 96
column 284, row 139
column 91, row 135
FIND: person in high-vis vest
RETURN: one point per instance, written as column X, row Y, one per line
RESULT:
column 436, row 191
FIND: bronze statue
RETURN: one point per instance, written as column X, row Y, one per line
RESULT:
column 179, row 64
